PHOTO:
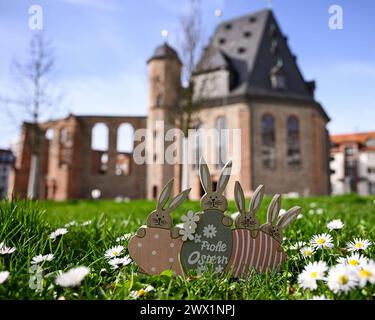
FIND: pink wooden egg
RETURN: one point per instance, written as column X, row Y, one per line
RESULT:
column 262, row 253
column 156, row 251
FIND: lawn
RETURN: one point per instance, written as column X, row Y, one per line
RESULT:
column 27, row 226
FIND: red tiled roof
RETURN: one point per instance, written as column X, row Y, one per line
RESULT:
column 353, row 137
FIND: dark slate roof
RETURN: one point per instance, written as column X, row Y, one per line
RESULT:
column 164, row 51
column 252, row 46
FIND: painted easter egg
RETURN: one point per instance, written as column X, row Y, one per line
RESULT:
column 156, row 251
column 262, row 253
column 211, row 248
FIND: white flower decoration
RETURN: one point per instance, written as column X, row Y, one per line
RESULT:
column 210, row 231
column 197, row 238
column 187, row 234
column 190, row 220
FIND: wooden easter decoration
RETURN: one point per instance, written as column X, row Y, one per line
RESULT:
column 210, row 247
column 255, row 247
column 156, row 246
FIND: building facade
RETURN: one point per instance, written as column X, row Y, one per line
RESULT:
column 7, row 160
column 249, row 81
column 353, row 163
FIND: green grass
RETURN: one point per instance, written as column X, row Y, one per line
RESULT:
column 27, row 225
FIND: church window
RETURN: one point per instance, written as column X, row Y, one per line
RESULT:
column 293, row 141
column 268, row 141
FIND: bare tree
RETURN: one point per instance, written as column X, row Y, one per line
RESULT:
column 184, row 114
column 34, row 98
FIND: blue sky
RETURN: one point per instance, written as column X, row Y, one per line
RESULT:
column 102, row 47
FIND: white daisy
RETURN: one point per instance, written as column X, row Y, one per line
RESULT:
column 190, row 219
column 322, row 297
column 307, row 252
column 113, row 252
column 125, row 237
column 187, row 234
column 366, row 273
column 355, row 260
column 358, row 244
column 300, row 216
column 58, row 232
column 71, row 224
column 149, row 288
column 6, row 250
column 322, row 241
column 209, row 231
column 297, row 245
column 39, row 258
column 73, row 277
column 313, row 205
column 4, row 275
column 117, row 262
column 86, row 223
column 336, row 224
column 219, row 268
column 341, row 278
column 319, row 211
column 311, row 212
column 313, row 271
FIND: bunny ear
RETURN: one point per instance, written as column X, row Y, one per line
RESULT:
column 273, row 209
column 289, row 217
column 224, row 177
column 165, row 194
column 256, row 199
column 177, row 200
column 239, row 197
column 205, row 176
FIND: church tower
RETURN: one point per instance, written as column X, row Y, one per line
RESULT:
column 164, row 72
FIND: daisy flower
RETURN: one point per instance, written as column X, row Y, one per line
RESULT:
column 73, row 277
column 313, row 205
column 58, row 232
column 117, row 262
column 341, row 278
column 71, row 224
column 358, row 244
column 297, row 245
column 135, row 294
column 300, row 216
column 336, row 224
column 190, row 219
column 311, row 212
column 39, row 258
column 355, row 260
column 113, row 252
column 313, row 271
column 322, row 297
column 125, row 237
column 307, row 252
column 149, row 288
column 366, row 273
column 6, row 250
column 319, row 211
column 4, row 275
column 86, row 223
column 322, row 241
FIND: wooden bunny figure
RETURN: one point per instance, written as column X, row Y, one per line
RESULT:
column 156, row 246
column 253, row 247
column 212, row 244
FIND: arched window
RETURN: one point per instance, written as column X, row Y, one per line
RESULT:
column 154, row 192
column 293, row 141
column 99, row 148
column 221, row 147
column 198, row 146
column 125, row 146
column 268, row 141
